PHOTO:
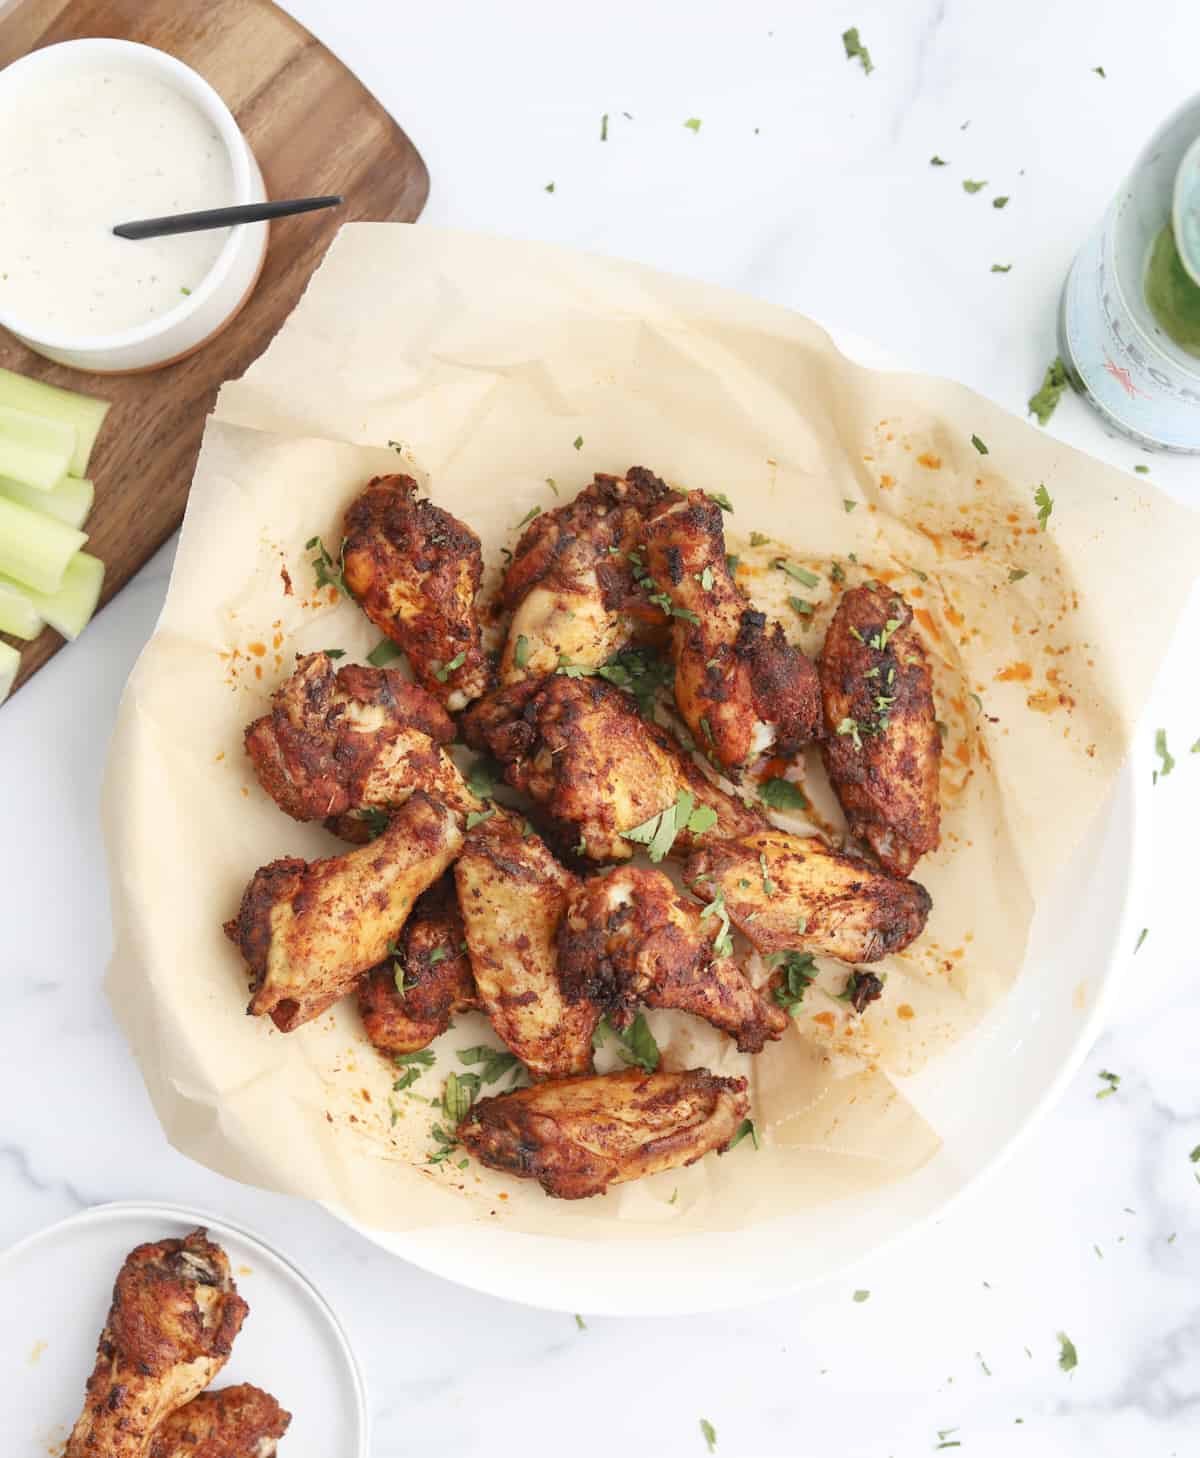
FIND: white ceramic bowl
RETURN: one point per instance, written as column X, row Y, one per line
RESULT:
column 212, row 302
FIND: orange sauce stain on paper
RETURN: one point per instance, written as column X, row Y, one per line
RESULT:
column 929, row 461
column 826, row 1019
column 904, row 1012
column 35, row 1356
column 925, row 618
column 1015, row 673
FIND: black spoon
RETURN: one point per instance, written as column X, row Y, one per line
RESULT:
column 221, row 217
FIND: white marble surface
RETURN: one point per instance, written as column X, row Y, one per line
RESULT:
column 829, row 206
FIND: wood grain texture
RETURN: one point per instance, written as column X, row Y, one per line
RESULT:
column 314, row 129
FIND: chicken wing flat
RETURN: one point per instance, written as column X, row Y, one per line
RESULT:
column 790, row 891
column 581, row 749
column 360, row 738
column 882, row 748
column 741, row 689
column 309, row 929
column 629, row 937
column 571, row 585
column 415, row 571
column 513, row 894
column 236, row 1422
column 578, row 1136
column 431, row 959
column 175, row 1312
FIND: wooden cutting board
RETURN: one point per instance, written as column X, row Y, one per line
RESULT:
column 314, row 129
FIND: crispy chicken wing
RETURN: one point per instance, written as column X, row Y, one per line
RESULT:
column 236, row 1422
column 309, row 929
column 175, row 1312
column 438, row 981
column 740, row 688
column 415, row 570
column 580, row 748
column 882, row 748
column 577, row 1136
column 571, row 586
column 513, row 894
column 630, row 937
column 337, row 743
column 790, row 891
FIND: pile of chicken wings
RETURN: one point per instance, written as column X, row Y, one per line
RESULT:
column 620, row 610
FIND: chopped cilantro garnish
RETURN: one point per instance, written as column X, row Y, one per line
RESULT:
column 604, row 127
column 1142, row 470
column 658, row 833
column 781, row 794
column 767, row 884
column 855, row 48
column 970, row 185
column 336, row 652
column 731, row 563
column 759, row 539
column 721, row 499
column 549, row 187
column 723, row 941
column 746, row 1127
column 493, row 1063
column 799, row 605
column 850, row 726
column 553, row 484
column 383, row 653
column 635, row 1046
column 979, row 445
column 798, row 972
column 861, row 1296
column 443, row 673
column 1099, row 71
column 692, row 123
column 1068, row 1357
column 1112, row 1081
column 848, row 504
column 1044, row 403
column 578, row 442
column 1166, row 758
column 805, row 578
column 936, row 161
column 1142, row 935
column 327, row 575
column 377, row 820
column 521, row 651
column 1001, row 267
column 1016, row 573
column 477, row 817
column 414, row 1065
column 1000, row 202
column 1045, row 505
column 705, row 579
column 529, row 516
column 710, row 1434
column 481, row 777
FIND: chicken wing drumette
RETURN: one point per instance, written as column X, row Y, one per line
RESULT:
column 572, row 587
column 790, row 891
column 432, row 962
column 309, row 929
column 580, row 748
column 415, row 571
column 742, row 689
column 236, row 1422
column 882, row 748
column 175, row 1312
column 513, row 895
column 630, row 937
column 336, row 744
column 578, row 1136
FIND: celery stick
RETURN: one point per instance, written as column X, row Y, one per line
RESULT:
column 65, row 406
column 70, row 501
column 18, row 615
column 69, row 610
column 35, row 549
column 33, row 450
column 10, row 661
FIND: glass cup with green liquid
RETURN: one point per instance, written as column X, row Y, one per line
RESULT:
column 1129, row 320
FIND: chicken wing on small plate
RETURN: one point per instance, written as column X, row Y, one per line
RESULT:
column 630, row 937
column 334, row 744
column 882, row 747
column 236, row 1422
column 571, row 585
column 309, row 929
column 175, row 1313
column 580, row 748
column 415, row 571
column 742, row 690
column 578, row 1136
column 432, row 962
column 790, row 891
column 513, row 894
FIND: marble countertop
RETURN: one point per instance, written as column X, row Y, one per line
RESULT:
column 808, row 183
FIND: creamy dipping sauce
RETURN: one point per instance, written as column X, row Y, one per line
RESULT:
column 81, row 150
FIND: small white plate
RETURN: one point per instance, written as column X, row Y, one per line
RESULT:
column 982, row 1098
column 55, row 1291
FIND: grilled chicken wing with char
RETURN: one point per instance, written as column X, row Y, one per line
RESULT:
column 630, row 937
column 175, row 1312
column 337, row 743
column 882, row 748
column 580, row 748
column 571, row 586
column 513, row 894
column 309, row 929
column 741, row 689
column 790, row 891
column 431, row 958
column 415, row 571
column 236, row 1422
column 578, row 1136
